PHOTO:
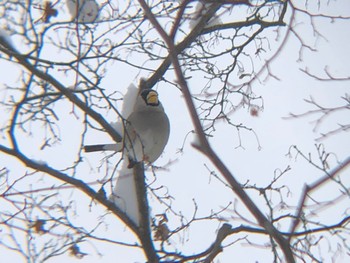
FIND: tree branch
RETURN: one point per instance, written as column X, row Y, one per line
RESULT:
column 216, row 247
column 307, row 189
column 145, row 233
column 69, row 180
column 22, row 59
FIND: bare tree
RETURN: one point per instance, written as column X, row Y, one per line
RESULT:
column 55, row 99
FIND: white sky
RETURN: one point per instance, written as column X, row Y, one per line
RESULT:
column 188, row 179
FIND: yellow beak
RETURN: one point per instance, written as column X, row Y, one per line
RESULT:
column 152, row 97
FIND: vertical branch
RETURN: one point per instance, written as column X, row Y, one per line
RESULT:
column 178, row 18
column 144, row 232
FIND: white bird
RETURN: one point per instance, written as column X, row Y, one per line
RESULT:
column 146, row 131
column 200, row 9
column 145, row 134
column 6, row 41
column 124, row 194
column 85, row 11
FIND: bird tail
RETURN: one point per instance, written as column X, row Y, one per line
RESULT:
column 117, row 147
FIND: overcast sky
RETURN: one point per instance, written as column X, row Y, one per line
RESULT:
column 254, row 159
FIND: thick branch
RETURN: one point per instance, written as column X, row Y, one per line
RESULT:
column 216, row 247
column 144, row 229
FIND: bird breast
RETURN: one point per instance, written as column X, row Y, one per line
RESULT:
column 147, row 133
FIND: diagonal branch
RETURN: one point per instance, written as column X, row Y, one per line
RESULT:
column 143, row 232
column 307, row 189
column 22, row 59
column 78, row 184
